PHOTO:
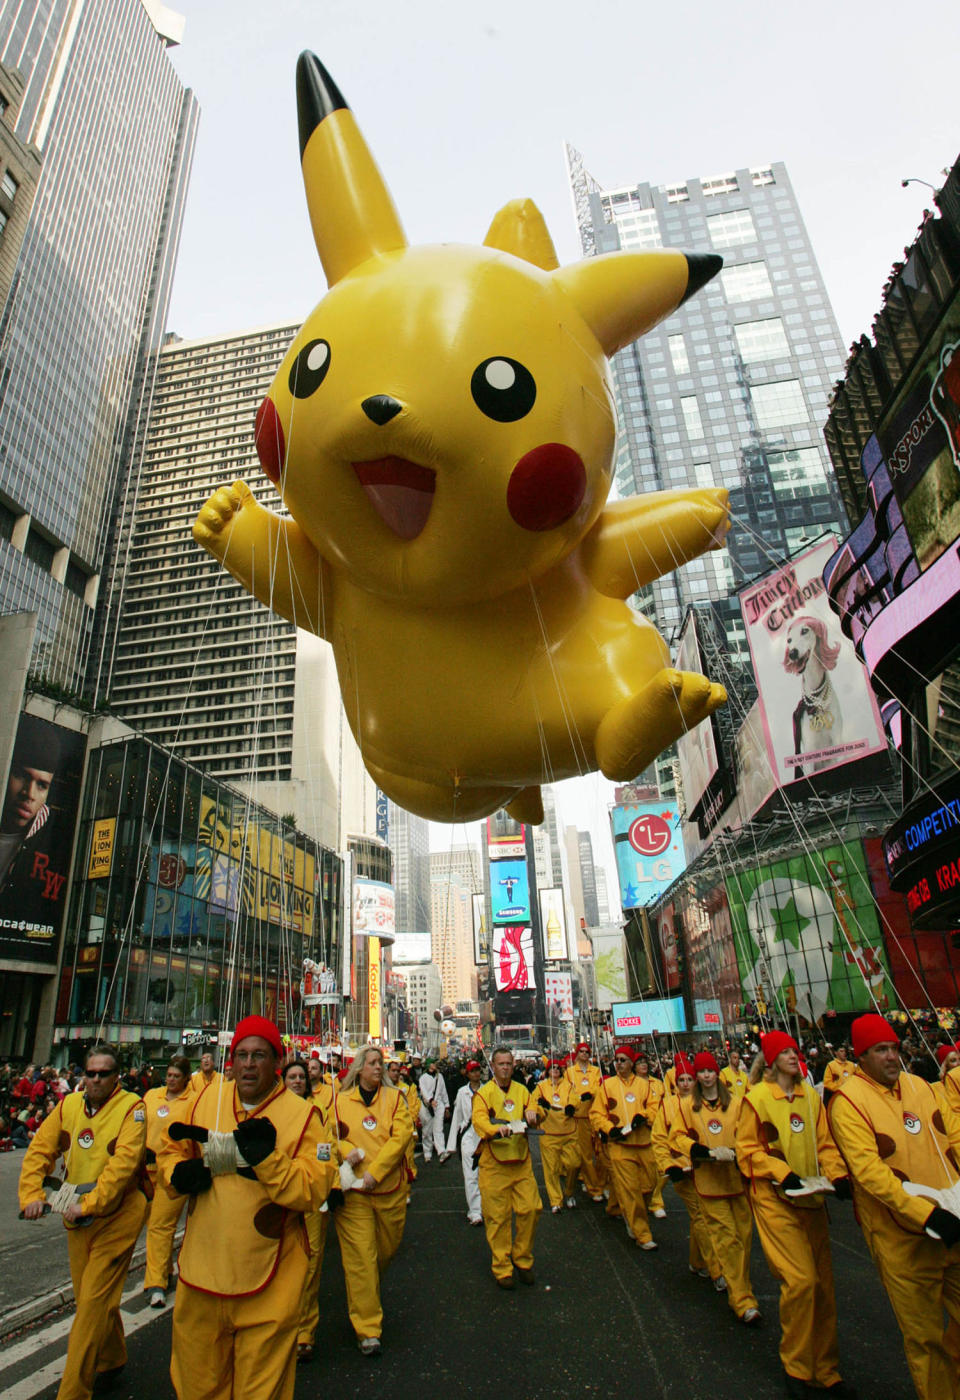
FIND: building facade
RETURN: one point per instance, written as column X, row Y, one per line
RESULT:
column 409, row 838
column 451, row 889
column 115, row 129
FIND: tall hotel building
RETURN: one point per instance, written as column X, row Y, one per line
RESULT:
column 731, row 390
column 113, row 129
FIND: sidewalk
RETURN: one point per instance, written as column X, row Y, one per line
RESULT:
column 34, row 1273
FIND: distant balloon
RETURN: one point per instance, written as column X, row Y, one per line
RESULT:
column 442, row 433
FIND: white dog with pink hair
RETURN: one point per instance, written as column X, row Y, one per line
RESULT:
column 817, row 720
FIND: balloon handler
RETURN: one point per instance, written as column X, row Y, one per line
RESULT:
column 101, row 1135
column 442, row 434
column 502, row 1111
column 253, row 1160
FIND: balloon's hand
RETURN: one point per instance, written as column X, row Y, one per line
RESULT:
column 213, row 526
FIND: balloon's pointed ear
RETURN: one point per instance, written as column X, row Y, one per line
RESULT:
column 621, row 295
column 519, row 228
column 351, row 210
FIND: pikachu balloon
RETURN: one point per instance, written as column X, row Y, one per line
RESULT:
column 442, row 434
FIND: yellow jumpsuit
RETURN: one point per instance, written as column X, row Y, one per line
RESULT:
column 736, row 1080
column 164, row 1210
column 200, row 1081
column 702, row 1255
column 778, row 1134
column 316, row 1223
column 586, row 1081
column 887, row 1136
column 559, row 1148
column 245, row 1251
column 656, row 1199
column 370, row 1223
column 720, row 1188
column 633, row 1171
column 836, row 1072
column 505, row 1177
column 106, row 1147
column 409, row 1091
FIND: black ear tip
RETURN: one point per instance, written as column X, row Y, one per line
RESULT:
column 317, row 96
column 700, row 268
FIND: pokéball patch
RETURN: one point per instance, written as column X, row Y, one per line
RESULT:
column 85, row 1139
column 323, row 1151
column 584, row 1082
column 629, row 1098
column 912, row 1124
column 556, row 1098
column 714, row 1126
column 796, row 1123
column 508, row 1105
column 163, row 1111
column 139, row 1115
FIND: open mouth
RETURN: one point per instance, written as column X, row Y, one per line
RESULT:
column 401, row 493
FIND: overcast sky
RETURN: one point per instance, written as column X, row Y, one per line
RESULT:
column 467, row 105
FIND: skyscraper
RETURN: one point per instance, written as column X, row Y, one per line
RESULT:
column 409, row 838
column 452, row 877
column 731, row 390
column 115, row 129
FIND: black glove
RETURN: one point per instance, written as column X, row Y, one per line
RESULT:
column 699, row 1153
column 569, row 1111
column 944, row 1225
column 617, row 1133
column 586, row 1098
column 791, row 1182
column 335, row 1199
column 842, row 1188
column 674, row 1173
column 256, row 1139
column 190, row 1178
column 637, row 1121
column 604, row 1137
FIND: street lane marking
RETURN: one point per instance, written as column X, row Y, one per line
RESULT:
column 48, row 1375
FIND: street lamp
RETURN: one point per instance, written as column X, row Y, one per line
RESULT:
column 913, row 180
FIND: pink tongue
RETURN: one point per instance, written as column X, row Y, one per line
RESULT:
column 400, row 493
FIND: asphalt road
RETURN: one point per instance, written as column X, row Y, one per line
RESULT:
column 604, row 1319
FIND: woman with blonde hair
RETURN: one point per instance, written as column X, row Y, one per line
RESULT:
column 374, row 1128
column 677, row 1169
column 705, row 1131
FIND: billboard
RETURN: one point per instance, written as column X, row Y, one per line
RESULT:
column 481, row 934
column 509, row 892
column 807, row 936
column 513, row 958
column 553, row 925
column 373, row 908
column 37, row 824
column 609, row 965
column 755, row 777
column 558, row 992
column 648, row 842
column 707, row 1014
column 815, row 699
column 664, row 1015
column 412, row 948
column 505, row 838
column 697, row 748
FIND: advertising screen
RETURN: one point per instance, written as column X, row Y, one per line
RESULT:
column 513, row 958
column 481, row 934
column 807, row 935
column 649, row 846
column 411, row 948
column 815, row 699
column 373, row 908
column 707, row 1015
column 558, row 989
column 509, row 892
column 505, row 837
column 553, row 924
column 665, row 1016
column 697, row 748
column 609, row 965
column 36, row 836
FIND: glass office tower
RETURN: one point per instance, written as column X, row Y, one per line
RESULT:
column 116, row 131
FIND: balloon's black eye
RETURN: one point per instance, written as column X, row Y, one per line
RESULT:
column 503, row 389
column 309, row 369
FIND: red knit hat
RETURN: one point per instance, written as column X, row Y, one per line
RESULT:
column 868, row 1031
column 774, row 1043
column 582, row 1046
column 257, row 1025
column 472, row 1065
column 627, row 1050
column 682, row 1065
column 943, row 1051
column 704, row 1060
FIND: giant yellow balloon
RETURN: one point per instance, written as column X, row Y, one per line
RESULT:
column 442, row 434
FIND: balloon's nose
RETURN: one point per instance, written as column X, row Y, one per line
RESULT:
column 380, row 408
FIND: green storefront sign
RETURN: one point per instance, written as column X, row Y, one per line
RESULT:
column 807, row 935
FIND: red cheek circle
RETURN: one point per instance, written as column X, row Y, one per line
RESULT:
column 268, row 436
column 546, row 487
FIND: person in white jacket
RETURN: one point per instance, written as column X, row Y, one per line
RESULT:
column 462, row 1122
column 434, row 1104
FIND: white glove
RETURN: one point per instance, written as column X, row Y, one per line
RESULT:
column 723, row 1154
column 812, row 1185
column 349, row 1181
column 62, row 1200
column 221, row 1154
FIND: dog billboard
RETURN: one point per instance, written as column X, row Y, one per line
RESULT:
column 817, row 706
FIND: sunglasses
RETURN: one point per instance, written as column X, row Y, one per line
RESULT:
column 99, row 1073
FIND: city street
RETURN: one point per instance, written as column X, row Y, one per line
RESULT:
column 604, row 1318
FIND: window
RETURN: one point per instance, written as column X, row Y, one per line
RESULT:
column 746, row 281
column 762, row 340
column 778, row 404
column 3, row 221
column 797, row 474
column 729, row 230
column 8, row 185
column 720, row 184
column 691, row 418
column 763, row 176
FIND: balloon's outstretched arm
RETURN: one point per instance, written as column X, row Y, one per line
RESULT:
column 637, row 541
column 271, row 557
